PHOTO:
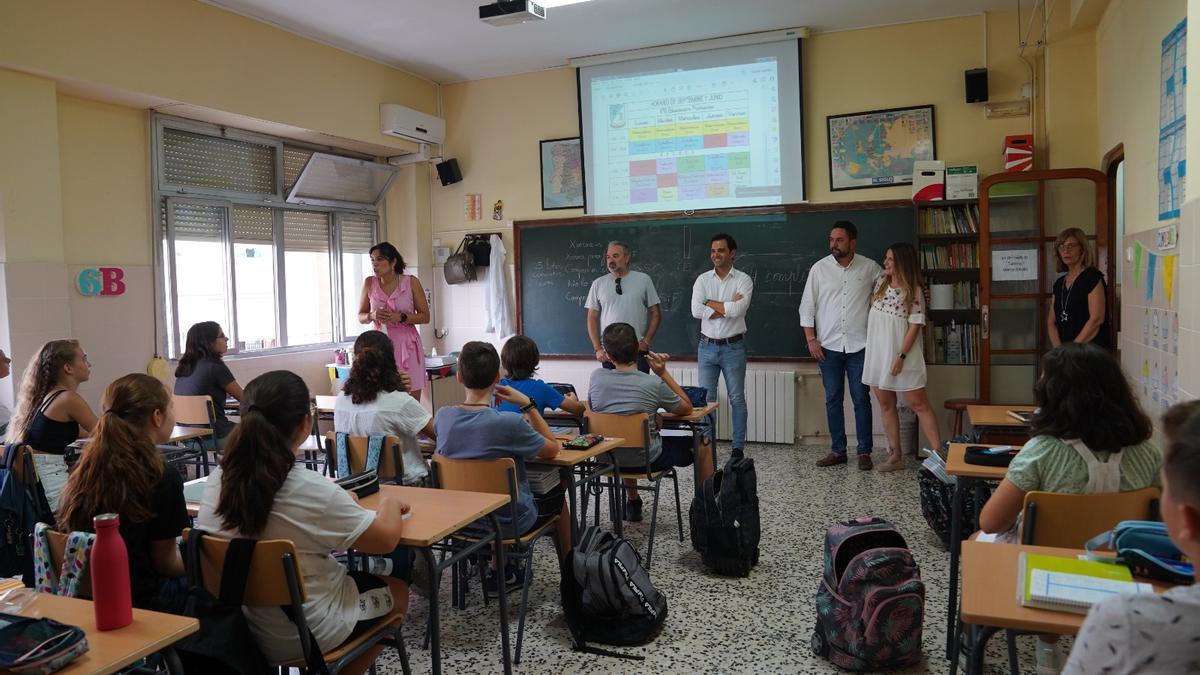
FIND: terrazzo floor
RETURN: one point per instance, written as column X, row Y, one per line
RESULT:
column 760, row 624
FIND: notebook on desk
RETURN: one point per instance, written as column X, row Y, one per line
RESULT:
column 1069, row 584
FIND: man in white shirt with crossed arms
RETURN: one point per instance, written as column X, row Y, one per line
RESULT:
column 833, row 313
column 720, row 299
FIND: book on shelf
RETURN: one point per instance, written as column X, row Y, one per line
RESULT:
column 949, row 256
column 1070, row 584
column 952, row 344
column 949, row 219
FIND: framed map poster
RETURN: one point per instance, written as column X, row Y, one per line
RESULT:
column 877, row 148
column 562, row 174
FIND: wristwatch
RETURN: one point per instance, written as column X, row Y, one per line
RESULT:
column 403, row 317
column 902, row 355
column 528, row 406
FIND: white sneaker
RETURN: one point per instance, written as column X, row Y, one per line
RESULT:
column 924, row 452
column 1049, row 658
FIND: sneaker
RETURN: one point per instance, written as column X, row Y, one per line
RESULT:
column 1049, row 658
column 924, row 452
column 633, row 511
column 865, row 463
column 831, row 459
column 891, row 463
column 512, row 579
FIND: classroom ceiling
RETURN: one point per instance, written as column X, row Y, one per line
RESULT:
column 444, row 40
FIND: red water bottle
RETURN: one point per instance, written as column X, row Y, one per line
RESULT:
column 110, row 574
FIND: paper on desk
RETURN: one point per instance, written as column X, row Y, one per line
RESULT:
column 987, row 537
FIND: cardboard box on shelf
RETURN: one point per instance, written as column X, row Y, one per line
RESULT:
column 929, row 180
column 962, row 182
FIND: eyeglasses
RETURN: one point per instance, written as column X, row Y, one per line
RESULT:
column 619, row 291
column 1068, row 247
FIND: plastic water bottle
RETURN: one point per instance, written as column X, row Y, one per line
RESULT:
column 112, row 601
column 953, row 345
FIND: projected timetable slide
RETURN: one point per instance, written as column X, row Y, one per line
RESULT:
column 694, row 139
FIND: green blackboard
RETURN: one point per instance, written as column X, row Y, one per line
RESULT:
column 557, row 260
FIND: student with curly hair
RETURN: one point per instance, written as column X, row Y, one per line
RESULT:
column 123, row 473
column 50, row 412
column 374, row 399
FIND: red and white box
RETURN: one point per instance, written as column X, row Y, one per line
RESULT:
column 1018, row 152
column 929, row 180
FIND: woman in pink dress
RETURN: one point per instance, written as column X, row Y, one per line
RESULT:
column 395, row 303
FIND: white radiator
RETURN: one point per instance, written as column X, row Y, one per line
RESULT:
column 770, row 400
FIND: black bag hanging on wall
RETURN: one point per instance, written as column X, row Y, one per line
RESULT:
column 480, row 248
column 459, row 267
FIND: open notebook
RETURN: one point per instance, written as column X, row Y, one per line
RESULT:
column 1069, row 584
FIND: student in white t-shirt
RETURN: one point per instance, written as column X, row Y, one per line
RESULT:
column 1148, row 632
column 260, row 492
column 374, row 399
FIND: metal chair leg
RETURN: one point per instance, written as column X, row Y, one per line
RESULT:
column 678, row 505
column 404, row 666
column 524, row 604
column 1011, row 639
column 653, row 522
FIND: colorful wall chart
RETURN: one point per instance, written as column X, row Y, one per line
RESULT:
column 1149, row 337
column 1172, row 143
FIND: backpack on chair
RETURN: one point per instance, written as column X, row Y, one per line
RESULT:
column 607, row 595
column 724, row 519
column 871, row 601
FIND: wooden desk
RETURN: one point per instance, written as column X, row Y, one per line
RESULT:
column 180, row 434
column 968, row 476
column 568, row 462
column 989, row 601
column 112, row 650
column 436, row 514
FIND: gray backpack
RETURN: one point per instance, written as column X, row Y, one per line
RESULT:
column 607, row 593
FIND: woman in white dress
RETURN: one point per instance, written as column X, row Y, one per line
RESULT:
column 895, row 360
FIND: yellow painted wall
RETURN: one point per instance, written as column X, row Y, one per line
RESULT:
column 30, row 198
column 105, row 167
column 1128, row 54
column 187, row 51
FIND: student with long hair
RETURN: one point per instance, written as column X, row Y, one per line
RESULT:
column 50, row 412
column 122, row 472
column 1149, row 632
column 1090, row 436
column 895, row 359
column 395, row 303
column 202, row 372
column 260, row 492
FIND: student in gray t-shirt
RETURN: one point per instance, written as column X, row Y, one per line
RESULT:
column 626, row 391
column 623, row 296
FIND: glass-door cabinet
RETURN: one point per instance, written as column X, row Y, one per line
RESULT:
column 1021, row 216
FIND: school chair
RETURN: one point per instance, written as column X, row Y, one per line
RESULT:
column 389, row 457
column 266, row 587
column 635, row 429
column 50, row 574
column 1068, row 520
column 497, row 476
column 196, row 411
column 959, row 407
column 313, row 446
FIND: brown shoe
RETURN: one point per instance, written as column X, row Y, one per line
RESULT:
column 865, row 463
column 831, row 459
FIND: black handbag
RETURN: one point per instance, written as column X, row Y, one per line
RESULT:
column 460, row 267
column 984, row 456
column 480, row 248
column 363, row 484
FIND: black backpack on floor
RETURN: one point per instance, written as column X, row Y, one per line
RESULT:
column 724, row 519
column 607, row 595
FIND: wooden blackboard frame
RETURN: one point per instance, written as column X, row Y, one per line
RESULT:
column 784, row 209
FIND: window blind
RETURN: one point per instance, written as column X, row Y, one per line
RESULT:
column 305, row 231
column 197, row 222
column 253, row 224
column 294, row 160
column 358, row 233
column 215, row 163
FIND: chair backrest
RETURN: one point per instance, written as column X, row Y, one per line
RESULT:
column 634, row 428
column 58, row 544
column 1069, row 520
column 358, row 446
column 325, row 403
column 19, row 464
column 195, row 410
column 266, row 585
column 493, row 476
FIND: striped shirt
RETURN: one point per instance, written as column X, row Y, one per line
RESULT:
column 1049, row 464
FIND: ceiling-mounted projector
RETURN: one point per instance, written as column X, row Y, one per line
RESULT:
column 508, row 12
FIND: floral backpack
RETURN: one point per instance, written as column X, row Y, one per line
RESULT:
column 871, row 601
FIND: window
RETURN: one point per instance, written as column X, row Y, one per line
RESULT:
column 274, row 275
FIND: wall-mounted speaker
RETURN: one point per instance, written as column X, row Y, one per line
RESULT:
column 977, row 88
column 448, row 172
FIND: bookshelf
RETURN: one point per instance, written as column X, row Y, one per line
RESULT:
column 948, row 252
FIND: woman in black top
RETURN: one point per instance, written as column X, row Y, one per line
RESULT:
column 201, row 372
column 1078, row 312
column 123, row 473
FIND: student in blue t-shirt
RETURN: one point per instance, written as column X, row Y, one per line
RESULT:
column 475, row 430
column 520, row 359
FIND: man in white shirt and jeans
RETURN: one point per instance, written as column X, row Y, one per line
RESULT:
column 623, row 296
column 833, row 313
column 720, row 299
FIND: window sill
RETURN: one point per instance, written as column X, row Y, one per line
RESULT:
column 283, row 351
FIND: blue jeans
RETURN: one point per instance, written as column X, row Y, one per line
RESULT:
column 835, row 369
column 730, row 361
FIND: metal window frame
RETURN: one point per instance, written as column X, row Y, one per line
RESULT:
column 170, row 340
column 292, row 198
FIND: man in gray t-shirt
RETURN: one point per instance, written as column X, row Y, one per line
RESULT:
column 623, row 296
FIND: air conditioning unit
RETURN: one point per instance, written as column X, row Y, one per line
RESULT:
column 413, row 125
column 509, row 12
